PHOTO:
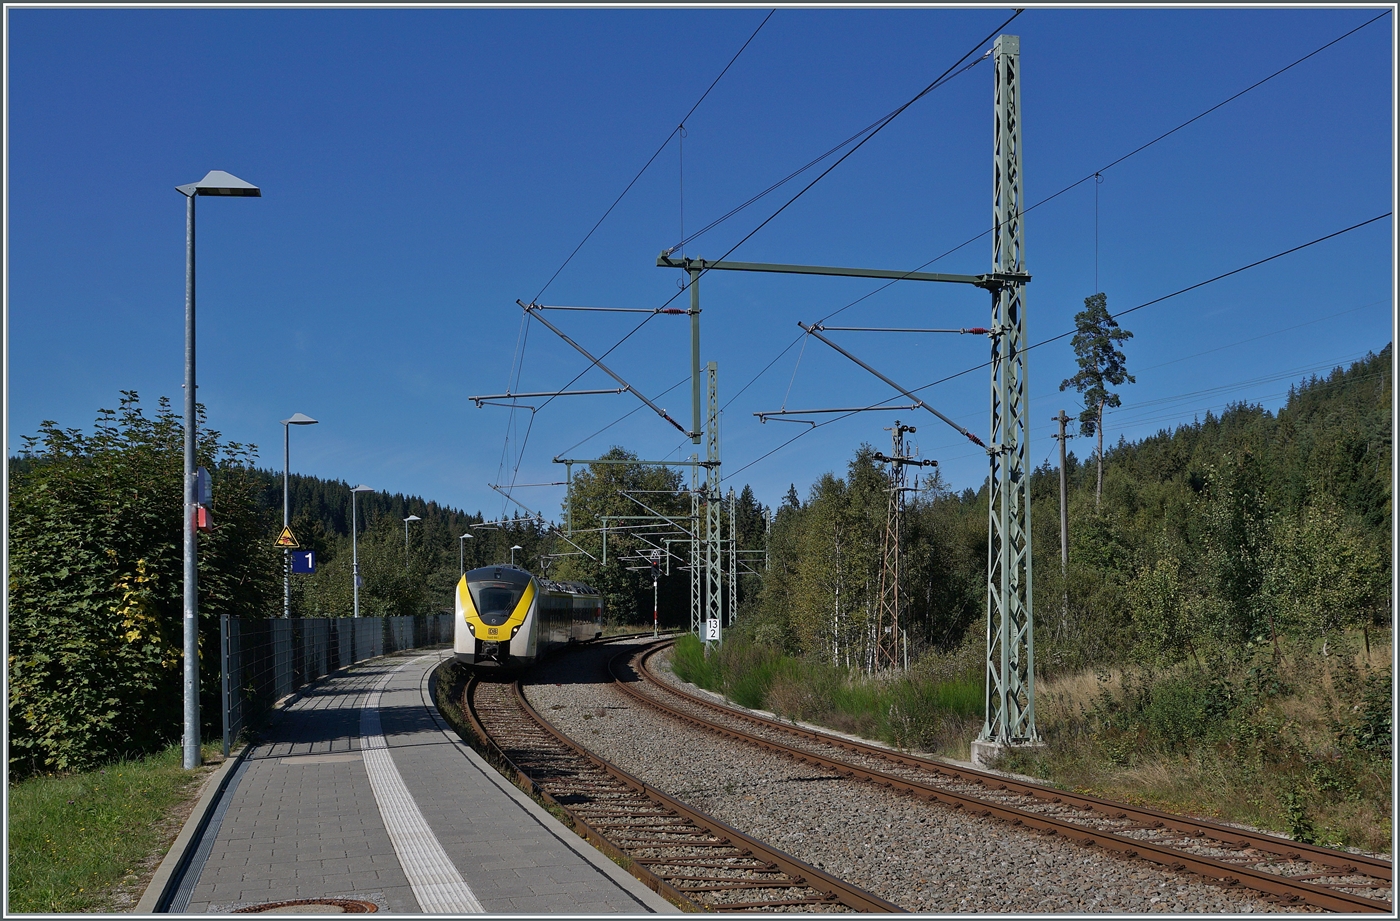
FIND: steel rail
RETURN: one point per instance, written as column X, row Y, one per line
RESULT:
column 781, row 871
column 1291, row 889
column 1238, row 837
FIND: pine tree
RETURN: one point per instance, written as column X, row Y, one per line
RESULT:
column 1095, row 342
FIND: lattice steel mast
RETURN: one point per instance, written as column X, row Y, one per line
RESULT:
column 887, row 626
column 733, row 561
column 1010, row 701
column 714, row 566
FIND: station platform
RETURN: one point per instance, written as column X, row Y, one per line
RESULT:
column 360, row 792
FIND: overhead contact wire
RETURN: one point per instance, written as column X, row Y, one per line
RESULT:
column 1114, row 163
column 1156, row 300
column 881, row 125
column 653, row 157
column 619, row 198
column 884, row 123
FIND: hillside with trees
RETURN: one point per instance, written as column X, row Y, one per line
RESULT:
column 1209, row 539
column 1219, row 642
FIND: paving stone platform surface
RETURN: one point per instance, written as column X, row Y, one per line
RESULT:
column 316, row 812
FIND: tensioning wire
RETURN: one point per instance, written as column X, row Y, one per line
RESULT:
column 1071, row 332
column 1116, row 162
column 883, row 123
column 653, row 157
column 619, row 198
column 875, row 125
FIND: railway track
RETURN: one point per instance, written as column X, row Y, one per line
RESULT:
column 692, row 859
column 1283, row 870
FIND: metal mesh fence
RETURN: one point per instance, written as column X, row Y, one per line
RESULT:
column 270, row 659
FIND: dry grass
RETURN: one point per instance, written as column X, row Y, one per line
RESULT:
column 1286, row 760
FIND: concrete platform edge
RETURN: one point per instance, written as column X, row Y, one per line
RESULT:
column 167, row 876
column 573, row 842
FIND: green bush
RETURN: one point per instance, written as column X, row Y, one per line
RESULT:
column 1179, row 711
column 96, row 585
column 689, row 662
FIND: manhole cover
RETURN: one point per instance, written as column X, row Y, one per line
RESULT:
column 312, row 907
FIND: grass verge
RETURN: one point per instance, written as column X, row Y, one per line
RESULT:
column 90, row 842
column 936, row 707
column 1297, row 742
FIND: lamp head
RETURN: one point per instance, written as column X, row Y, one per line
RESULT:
column 363, row 488
column 218, row 182
column 299, row 419
column 464, row 536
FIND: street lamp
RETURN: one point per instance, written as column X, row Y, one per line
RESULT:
column 512, row 553
column 462, row 552
column 405, row 537
column 354, row 545
column 216, row 182
column 297, row 419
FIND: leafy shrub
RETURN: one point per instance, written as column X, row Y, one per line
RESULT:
column 1179, row 711
column 95, row 585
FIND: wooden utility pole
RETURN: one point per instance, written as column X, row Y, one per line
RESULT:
column 1063, row 419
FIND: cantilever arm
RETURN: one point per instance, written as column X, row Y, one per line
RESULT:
column 534, row 514
column 534, row 310
column 811, row 331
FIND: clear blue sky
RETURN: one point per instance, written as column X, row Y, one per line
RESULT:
column 422, row 169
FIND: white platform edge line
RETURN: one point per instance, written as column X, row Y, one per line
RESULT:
column 431, row 874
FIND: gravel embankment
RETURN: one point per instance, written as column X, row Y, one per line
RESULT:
column 922, row 856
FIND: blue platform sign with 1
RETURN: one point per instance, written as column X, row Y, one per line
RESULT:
column 303, row 561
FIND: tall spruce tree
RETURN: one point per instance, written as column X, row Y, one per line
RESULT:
column 1095, row 342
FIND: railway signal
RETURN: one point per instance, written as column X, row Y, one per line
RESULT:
column 655, row 575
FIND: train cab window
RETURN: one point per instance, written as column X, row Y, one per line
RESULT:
column 496, row 601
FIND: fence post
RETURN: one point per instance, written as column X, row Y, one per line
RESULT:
column 223, row 678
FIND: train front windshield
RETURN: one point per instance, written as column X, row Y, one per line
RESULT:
column 495, row 601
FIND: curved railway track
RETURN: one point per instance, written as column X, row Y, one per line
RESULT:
column 1283, row 870
column 692, row 859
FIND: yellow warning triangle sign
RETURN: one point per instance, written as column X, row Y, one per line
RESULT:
column 287, row 539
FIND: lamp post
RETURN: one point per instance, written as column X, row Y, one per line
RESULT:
column 216, row 182
column 512, row 553
column 462, row 552
column 297, row 419
column 354, row 544
column 405, row 537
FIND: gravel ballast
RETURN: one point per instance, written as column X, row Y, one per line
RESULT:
column 921, row 856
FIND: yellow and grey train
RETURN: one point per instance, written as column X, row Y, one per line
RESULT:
column 509, row 618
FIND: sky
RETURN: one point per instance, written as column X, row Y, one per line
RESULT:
column 422, row 169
